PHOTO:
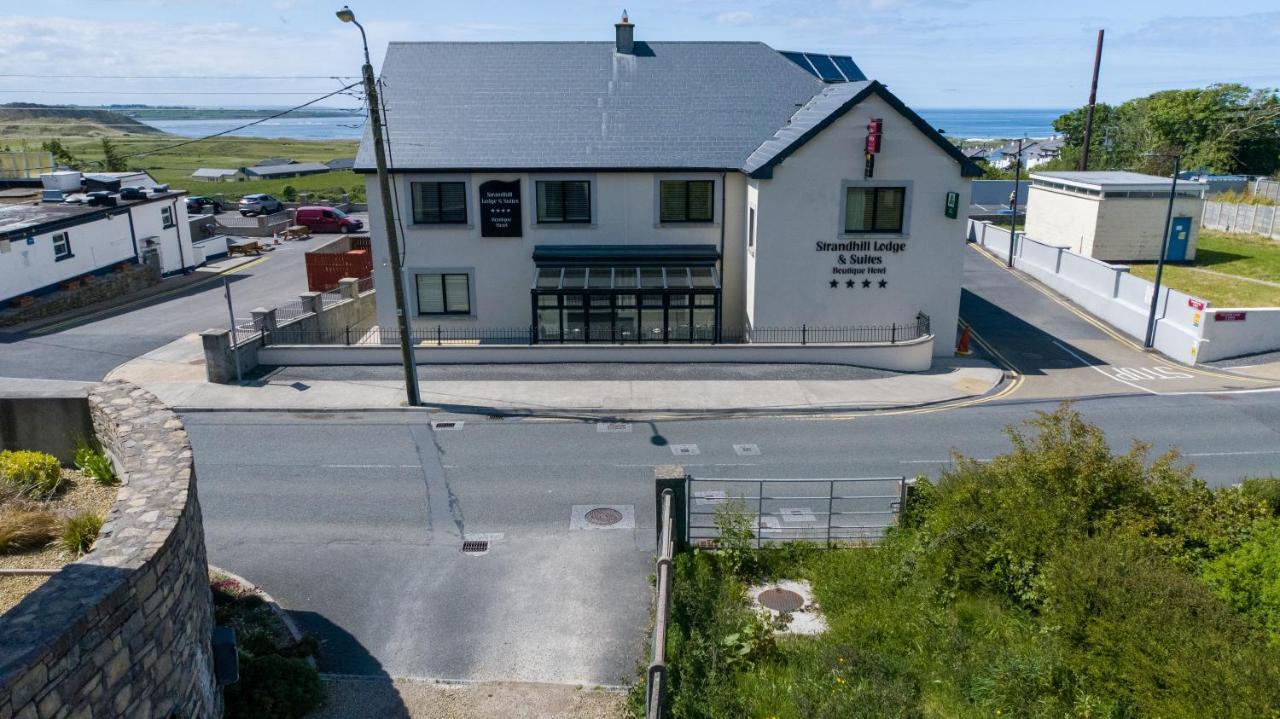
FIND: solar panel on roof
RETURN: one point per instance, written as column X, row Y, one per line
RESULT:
column 850, row 69
column 826, row 69
column 798, row 58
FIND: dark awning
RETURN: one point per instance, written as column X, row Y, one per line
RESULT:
column 639, row 255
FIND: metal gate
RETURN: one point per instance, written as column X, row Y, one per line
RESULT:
column 845, row 511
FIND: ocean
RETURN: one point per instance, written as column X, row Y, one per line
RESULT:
column 962, row 123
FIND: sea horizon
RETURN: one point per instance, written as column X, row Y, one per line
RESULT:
column 974, row 124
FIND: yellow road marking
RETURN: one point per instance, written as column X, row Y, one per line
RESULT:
column 57, row 326
column 1126, row 341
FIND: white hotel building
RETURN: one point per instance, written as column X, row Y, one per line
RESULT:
column 630, row 193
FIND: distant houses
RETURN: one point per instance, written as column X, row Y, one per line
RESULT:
column 272, row 168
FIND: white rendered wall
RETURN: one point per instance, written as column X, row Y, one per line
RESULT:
column 803, row 203
column 1062, row 219
column 28, row 266
column 176, row 253
column 624, row 212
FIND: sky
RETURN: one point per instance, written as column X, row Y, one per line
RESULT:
column 932, row 53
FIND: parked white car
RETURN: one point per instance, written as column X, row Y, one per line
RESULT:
column 259, row 205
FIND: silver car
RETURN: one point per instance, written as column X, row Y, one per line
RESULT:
column 259, row 205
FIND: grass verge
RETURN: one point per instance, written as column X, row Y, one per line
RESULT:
column 1246, row 256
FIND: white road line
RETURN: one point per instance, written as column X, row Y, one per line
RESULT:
column 933, row 461
column 1103, row 372
column 370, row 466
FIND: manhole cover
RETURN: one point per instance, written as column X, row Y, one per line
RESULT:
column 603, row 516
column 781, row 600
column 475, row 546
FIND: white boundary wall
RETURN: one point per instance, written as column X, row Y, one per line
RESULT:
column 1258, row 219
column 1120, row 299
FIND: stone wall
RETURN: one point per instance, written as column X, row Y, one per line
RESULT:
column 125, row 631
column 126, row 278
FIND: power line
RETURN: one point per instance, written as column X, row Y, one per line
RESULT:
column 150, row 92
column 176, row 145
column 125, row 110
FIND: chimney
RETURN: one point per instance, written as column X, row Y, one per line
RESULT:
column 626, row 36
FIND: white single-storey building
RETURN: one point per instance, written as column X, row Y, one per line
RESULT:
column 50, row 242
column 1114, row 216
column 218, row 174
column 664, row 192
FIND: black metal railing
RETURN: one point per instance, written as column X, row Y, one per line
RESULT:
column 444, row 335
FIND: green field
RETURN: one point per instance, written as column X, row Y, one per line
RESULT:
column 1245, row 256
column 175, row 166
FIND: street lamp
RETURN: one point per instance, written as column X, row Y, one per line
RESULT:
column 1013, row 201
column 384, row 186
column 1164, row 248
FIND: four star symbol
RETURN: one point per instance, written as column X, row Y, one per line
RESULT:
column 834, row 284
column 850, row 284
column 884, row 283
column 866, row 283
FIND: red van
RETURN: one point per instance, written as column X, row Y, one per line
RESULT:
column 327, row 219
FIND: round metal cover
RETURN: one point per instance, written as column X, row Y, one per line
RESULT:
column 603, row 516
column 781, row 600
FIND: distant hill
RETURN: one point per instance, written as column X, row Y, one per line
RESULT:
column 25, row 119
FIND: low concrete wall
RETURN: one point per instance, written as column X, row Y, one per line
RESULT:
column 125, row 631
column 913, row 356
column 1232, row 332
column 45, row 415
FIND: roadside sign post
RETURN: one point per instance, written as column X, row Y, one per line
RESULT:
column 1164, row 248
column 231, row 314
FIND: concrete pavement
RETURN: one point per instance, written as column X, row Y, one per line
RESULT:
column 175, row 373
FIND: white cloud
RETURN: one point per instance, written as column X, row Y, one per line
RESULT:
column 735, row 17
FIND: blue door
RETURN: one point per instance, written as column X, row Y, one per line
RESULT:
column 1179, row 236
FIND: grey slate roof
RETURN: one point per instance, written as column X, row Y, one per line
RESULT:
column 545, row 105
column 285, row 170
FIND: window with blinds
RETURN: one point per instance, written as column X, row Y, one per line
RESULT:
column 564, row 201
column 686, row 200
column 444, row 293
column 874, row 209
column 439, row 203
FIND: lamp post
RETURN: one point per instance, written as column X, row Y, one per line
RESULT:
column 1013, row 201
column 1164, row 248
column 384, row 186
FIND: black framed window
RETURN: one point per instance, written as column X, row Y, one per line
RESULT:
column 874, row 209
column 444, row 293
column 61, row 246
column 439, row 203
column 686, row 200
column 166, row 217
column 564, row 200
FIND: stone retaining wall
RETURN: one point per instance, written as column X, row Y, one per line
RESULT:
column 125, row 631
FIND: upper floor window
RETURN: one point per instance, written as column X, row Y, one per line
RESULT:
column 439, row 203
column 166, row 217
column 686, row 200
column 61, row 246
column 564, row 201
column 874, row 209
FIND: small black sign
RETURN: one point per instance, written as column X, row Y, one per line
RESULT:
column 500, row 209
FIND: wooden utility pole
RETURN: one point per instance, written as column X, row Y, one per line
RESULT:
column 1093, row 99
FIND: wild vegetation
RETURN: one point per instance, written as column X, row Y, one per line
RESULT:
column 1060, row 579
column 1225, row 128
column 1249, row 257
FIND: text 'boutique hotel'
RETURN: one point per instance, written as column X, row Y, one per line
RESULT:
column 635, row 193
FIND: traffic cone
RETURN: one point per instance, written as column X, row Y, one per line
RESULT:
column 275, row 239
column 962, row 347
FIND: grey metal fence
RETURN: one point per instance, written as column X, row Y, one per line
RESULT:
column 843, row 511
column 656, row 676
column 1229, row 217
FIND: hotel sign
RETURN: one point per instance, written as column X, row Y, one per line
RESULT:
column 860, row 263
column 500, row 209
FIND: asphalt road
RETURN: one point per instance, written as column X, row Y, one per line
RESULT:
column 88, row 349
column 354, row 521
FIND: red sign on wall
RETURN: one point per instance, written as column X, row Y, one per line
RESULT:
column 1195, row 304
column 1229, row 316
column 875, row 129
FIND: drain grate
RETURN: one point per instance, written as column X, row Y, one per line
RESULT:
column 475, row 546
column 747, row 450
column 685, row 450
column 613, row 427
column 439, row 424
column 781, row 600
column 603, row 516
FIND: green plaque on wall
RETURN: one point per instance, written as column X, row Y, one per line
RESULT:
column 953, row 205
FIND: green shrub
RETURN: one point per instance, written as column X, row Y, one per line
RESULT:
column 95, row 464
column 22, row 529
column 274, row 687
column 1248, row 577
column 1263, row 489
column 289, row 193
column 35, row 474
column 80, row 532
